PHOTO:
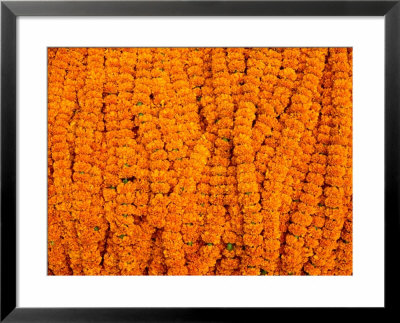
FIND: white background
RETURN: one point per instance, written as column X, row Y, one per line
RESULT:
column 364, row 288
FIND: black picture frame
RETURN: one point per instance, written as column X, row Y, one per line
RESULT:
column 10, row 10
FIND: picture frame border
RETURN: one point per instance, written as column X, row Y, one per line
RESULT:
column 11, row 10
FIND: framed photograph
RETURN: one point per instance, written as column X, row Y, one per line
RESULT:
column 197, row 160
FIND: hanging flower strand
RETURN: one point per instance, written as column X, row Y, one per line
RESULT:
column 302, row 108
column 270, row 198
column 87, row 201
column 344, row 253
column 60, row 159
column 244, row 155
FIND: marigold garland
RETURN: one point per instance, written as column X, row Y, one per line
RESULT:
column 200, row 161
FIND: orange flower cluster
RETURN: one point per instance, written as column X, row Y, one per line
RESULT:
column 200, row 161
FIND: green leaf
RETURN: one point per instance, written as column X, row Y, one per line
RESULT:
column 125, row 181
column 96, row 228
column 225, row 139
column 190, row 243
column 122, row 236
column 141, row 114
column 209, row 244
column 139, row 103
column 229, row 246
column 263, row 272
